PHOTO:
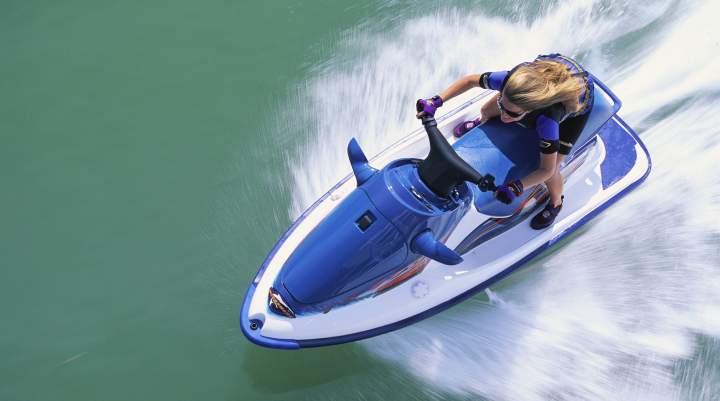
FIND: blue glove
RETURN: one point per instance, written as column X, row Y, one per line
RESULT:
column 428, row 106
column 506, row 193
column 487, row 183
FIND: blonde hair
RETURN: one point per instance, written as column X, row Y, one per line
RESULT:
column 543, row 83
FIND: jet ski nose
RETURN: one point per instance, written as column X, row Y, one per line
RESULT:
column 351, row 247
column 278, row 305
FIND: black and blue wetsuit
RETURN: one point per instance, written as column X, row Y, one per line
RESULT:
column 557, row 129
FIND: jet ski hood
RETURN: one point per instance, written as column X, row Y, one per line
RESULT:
column 389, row 221
column 356, row 239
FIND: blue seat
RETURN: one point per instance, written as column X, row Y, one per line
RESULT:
column 510, row 151
column 601, row 112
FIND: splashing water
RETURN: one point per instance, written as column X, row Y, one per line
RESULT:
column 621, row 309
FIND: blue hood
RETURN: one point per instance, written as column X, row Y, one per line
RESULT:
column 354, row 244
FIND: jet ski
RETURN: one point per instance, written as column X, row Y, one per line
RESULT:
column 417, row 230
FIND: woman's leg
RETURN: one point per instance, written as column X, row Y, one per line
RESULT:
column 570, row 131
column 555, row 187
column 490, row 109
column 555, row 183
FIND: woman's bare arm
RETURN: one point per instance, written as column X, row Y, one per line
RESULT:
column 543, row 173
column 460, row 86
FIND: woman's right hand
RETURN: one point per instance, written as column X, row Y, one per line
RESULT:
column 489, row 109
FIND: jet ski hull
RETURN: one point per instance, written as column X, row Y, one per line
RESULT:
column 611, row 163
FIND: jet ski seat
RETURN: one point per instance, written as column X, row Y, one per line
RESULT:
column 509, row 151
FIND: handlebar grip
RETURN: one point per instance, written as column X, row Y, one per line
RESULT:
column 487, row 183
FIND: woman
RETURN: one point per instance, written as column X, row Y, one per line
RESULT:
column 552, row 95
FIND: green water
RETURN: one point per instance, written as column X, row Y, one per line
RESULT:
column 134, row 144
column 145, row 180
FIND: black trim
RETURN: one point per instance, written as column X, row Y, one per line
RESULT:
column 483, row 81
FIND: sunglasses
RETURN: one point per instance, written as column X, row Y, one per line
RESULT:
column 503, row 109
